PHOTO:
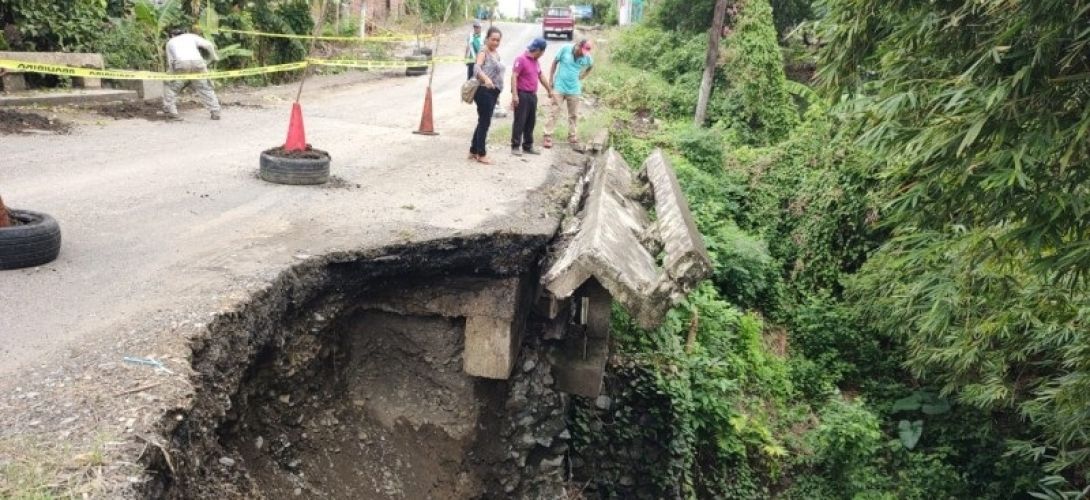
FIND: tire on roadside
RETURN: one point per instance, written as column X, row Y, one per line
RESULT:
column 35, row 241
column 414, row 70
column 294, row 171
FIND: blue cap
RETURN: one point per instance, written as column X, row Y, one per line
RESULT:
column 537, row 44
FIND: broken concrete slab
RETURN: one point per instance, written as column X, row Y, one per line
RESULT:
column 685, row 261
column 147, row 90
column 606, row 245
column 616, row 243
column 600, row 142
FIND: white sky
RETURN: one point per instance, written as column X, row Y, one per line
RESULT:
column 509, row 8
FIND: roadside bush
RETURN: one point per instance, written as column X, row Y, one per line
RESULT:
column 703, row 147
column 687, row 420
column 49, row 25
column 830, row 334
column 127, row 45
column 625, row 87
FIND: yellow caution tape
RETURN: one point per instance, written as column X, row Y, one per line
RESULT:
column 377, row 38
column 122, row 74
column 368, row 63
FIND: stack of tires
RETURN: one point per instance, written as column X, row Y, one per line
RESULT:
column 419, row 55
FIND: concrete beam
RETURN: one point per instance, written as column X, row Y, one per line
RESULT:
column 686, row 259
column 77, row 59
column 600, row 142
column 495, row 311
column 580, row 364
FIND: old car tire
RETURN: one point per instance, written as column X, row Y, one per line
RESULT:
column 35, row 241
column 416, row 70
column 295, row 171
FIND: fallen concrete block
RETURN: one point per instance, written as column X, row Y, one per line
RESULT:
column 685, row 261
column 600, row 142
column 606, row 245
column 617, row 244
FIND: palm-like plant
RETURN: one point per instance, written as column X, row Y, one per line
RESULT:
column 155, row 20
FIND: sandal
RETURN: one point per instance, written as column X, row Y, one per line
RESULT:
column 472, row 157
column 484, row 160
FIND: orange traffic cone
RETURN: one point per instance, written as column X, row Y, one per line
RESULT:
column 426, row 126
column 297, row 137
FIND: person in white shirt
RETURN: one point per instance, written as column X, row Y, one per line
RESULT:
column 184, row 56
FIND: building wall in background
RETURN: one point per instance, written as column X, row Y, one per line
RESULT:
column 380, row 10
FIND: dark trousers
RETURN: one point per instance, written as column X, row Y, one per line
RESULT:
column 469, row 71
column 486, row 104
column 522, row 133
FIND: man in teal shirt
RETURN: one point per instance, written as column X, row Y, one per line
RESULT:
column 571, row 65
column 473, row 47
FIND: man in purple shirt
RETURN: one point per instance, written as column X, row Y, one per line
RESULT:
column 526, row 73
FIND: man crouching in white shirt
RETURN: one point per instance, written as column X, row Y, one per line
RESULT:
column 184, row 56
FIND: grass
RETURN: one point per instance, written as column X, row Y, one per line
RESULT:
column 29, row 471
column 591, row 120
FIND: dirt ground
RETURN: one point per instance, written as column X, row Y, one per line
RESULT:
column 166, row 229
column 395, row 419
column 20, row 122
column 150, row 110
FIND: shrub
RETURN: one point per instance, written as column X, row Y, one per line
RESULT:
column 128, row 45
column 758, row 106
column 847, row 439
column 625, row 87
column 49, row 25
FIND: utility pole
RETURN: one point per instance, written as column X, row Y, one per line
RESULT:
column 714, row 35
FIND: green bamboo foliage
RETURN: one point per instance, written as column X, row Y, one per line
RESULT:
column 977, row 117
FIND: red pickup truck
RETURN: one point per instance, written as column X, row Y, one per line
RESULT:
column 558, row 21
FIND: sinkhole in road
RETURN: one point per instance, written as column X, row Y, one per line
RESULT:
column 344, row 378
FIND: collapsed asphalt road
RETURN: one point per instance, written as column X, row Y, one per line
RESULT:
column 158, row 216
column 165, row 225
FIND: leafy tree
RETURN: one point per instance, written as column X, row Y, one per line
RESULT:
column 980, row 112
column 976, row 115
column 693, row 16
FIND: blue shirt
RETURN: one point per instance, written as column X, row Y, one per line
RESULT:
column 473, row 44
column 568, row 70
